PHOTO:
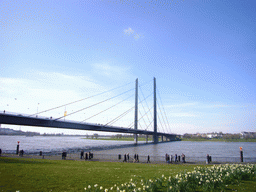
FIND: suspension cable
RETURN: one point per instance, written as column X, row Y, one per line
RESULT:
column 142, row 118
column 145, row 101
column 107, row 109
column 79, row 100
column 149, row 125
column 94, row 104
column 161, row 123
column 144, row 110
column 119, row 117
column 162, row 118
column 164, row 111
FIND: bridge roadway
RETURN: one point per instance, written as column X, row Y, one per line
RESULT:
column 20, row 119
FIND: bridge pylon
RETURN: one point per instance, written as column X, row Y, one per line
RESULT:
column 155, row 136
column 136, row 112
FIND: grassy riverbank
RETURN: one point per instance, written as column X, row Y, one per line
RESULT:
column 18, row 174
column 218, row 140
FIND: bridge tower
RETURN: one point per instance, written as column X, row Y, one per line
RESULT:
column 136, row 112
column 155, row 137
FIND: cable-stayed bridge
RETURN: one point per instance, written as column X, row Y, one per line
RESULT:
column 62, row 121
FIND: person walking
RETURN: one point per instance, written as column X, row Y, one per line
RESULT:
column 128, row 157
column 183, row 158
column 124, row 158
column 82, row 155
column 166, row 157
column 0, row 152
column 176, row 158
column 148, row 161
column 207, row 159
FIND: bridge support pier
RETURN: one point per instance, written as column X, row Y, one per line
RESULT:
column 146, row 138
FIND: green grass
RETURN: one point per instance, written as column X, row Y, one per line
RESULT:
column 19, row 174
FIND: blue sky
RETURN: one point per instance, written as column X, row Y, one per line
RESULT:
column 202, row 54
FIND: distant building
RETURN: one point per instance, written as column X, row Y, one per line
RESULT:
column 247, row 135
column 7, row 131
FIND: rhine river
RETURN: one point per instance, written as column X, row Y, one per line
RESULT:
column 72, row 144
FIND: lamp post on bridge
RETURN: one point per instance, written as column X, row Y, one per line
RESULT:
column 37, row 109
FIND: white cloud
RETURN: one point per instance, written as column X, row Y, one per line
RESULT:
column 181, row 105
column 51, row 89
column 113, row 72
column 137, row 36
column 128, row 31
column 182, row 115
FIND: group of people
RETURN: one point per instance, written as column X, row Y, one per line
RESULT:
column 208, row 159
column 64, row 155
column 136, row 158
column 169, row 159
column 86, row 156
column 126, row 157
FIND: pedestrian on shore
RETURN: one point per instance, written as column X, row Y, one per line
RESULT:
column 166, row 157
column 82, row 155
column 171, row 158
column 124, row 158
column 207, row 159
column 86, row 156
column 135, row 157
column 183, row 158
column 148, row 161
column 21, row 153
column 128, row 157
column 64, row 155
column 176, row 158
column 0, row 152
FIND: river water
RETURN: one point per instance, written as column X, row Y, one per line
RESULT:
column 73, row 144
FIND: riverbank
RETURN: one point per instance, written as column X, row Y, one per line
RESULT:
column 183, row 139
column 143, row 159
column 218, row 140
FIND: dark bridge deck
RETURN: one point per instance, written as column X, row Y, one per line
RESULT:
column 14, row 119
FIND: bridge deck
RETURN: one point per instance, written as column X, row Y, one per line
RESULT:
column 14, row 119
